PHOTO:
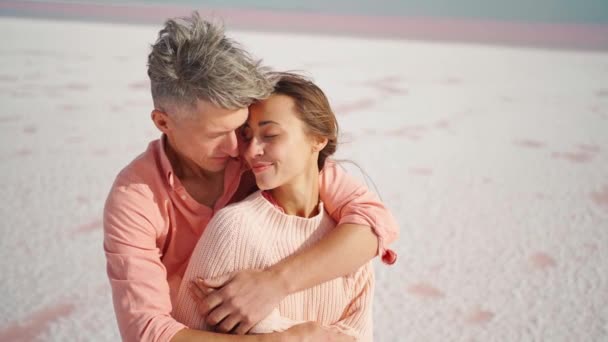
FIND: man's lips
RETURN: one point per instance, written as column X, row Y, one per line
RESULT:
column 260, row 167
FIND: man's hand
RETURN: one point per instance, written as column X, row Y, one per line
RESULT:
column 313, row 332
column 237, row 301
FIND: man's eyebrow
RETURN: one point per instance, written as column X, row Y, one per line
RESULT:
column 218, row 133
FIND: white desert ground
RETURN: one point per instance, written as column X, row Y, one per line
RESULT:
column 493, row 159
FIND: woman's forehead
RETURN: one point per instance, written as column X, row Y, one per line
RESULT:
column 278, row 108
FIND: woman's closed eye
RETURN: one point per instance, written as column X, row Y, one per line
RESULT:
column 270, row 136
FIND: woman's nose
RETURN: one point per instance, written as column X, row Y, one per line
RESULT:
column 254, row 148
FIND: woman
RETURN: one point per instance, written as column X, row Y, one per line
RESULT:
column 288, row 138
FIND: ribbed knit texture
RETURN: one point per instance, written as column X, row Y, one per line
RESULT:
column 255, row 234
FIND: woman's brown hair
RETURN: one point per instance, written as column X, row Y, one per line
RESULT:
column 313, row 109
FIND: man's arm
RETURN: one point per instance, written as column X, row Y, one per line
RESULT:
column 349, row 201
column 190, row 335
column 365, row 228
column 305, row 332
column 137, row 276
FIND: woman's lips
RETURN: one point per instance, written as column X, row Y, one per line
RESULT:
column 260, row 167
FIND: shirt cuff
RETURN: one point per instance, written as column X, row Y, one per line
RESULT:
column 171, row 331
column 388, row 256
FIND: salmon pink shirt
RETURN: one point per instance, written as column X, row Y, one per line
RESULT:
column 152, row 224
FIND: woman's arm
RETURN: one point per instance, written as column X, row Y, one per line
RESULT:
column 214, row 255
column 356, row 320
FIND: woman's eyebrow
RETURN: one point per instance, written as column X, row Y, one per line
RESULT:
column 267, row 122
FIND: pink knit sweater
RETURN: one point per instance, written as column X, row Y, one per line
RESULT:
column 255, row 234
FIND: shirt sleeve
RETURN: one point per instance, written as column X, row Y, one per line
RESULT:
column 137, row 276
column 348, row 201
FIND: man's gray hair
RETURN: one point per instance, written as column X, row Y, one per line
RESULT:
column 193, row 59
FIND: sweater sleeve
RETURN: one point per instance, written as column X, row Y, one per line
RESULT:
column 356, row 321
column 357, row 318
column 349, row 201
column 137, row 276
column 213, row 256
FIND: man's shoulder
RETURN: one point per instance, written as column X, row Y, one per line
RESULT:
column 145, row 168
column 140, row 180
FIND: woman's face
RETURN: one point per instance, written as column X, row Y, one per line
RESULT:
column 276, row 145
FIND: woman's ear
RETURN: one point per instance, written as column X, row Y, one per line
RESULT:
column 319, row 143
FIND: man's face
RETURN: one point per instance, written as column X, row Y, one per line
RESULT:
column 206, row 137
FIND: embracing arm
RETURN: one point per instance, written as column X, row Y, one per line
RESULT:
column 365, row 228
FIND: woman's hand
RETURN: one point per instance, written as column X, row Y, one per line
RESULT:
column 237, row 301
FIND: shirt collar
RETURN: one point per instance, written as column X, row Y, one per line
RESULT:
column 165, row 164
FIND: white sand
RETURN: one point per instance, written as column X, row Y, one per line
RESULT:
column 495, row 161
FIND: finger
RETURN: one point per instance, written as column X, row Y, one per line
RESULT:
column 217, row 315
column 217, row 281
column 228, row 324
column 243, row 328
column 209, row 303
column 200, row 284
column 196, row 292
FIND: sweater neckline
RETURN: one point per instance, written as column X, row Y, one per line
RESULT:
column 271, row 203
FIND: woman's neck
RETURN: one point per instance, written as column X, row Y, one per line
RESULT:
column 299, row 197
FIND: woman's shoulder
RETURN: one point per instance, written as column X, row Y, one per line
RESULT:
column 241, row 209
column 231, row 220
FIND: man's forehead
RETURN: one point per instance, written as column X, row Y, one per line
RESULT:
column 223, row 123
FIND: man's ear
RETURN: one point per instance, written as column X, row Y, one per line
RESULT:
column 319, row 143
column 161, row 120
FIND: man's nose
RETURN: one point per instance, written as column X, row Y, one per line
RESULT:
column 231, row 145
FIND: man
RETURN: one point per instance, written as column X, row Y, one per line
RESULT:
column 202, row 83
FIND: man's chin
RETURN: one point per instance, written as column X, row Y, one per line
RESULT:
column 217, row 164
